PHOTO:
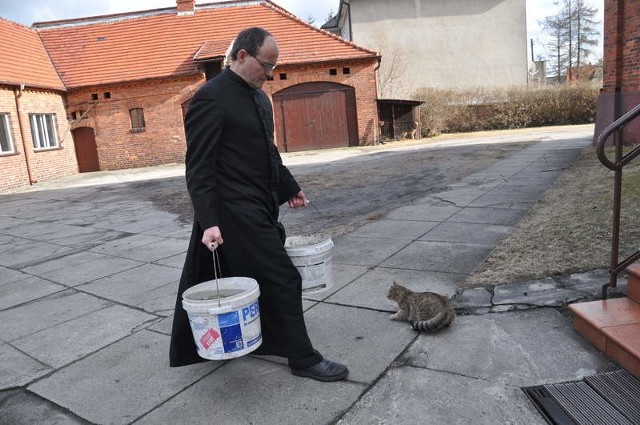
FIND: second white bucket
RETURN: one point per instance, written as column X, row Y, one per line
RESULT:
column 224, row 317
column 312, row 256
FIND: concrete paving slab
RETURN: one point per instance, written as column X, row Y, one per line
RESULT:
column 366, row 341
column 21, row 288
column 420, row 213
column 12, row 201
column 364, row 251
column 81, row 267
column 175, row 229
column 162, row 326
column 21, row 407
column 370, row 290
column 18, row 253
column 461, row 195
column 503, row 201
column 176, row 261
column 507, row 349
column 17, row 369
column 591, row 281
column 139, row 222
column 394, row 229
column 471, row 233
column 253, row 391
column 46, row 312
column 408, row 395
column 45, row 232
column 7, row 222
column 540, row 293
column 39, row 211
column 488, row 215
column 146, row 248
column 439, row 257
column 474, row 301
column 137, row 286
column 160, row 301
column 121, row 382
column 88, row 239
column 67, row 342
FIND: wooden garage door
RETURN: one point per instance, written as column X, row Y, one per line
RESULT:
column 86, row 150
column 315, row 116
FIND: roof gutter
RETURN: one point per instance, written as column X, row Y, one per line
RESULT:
column 17, row 94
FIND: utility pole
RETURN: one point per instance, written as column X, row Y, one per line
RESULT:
column 532, row 59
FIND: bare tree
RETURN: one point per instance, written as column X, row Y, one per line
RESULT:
column 586, row 31
column 573, row 33
column 390, row 72
column 555, row 26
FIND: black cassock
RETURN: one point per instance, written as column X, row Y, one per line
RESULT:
column 237, row 181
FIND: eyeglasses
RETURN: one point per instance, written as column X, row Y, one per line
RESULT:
column 266, row 65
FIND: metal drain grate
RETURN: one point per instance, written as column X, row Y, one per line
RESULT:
column 621, row 390
column 611, row 398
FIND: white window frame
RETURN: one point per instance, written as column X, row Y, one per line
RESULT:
column 43, row 131
column 6, row 130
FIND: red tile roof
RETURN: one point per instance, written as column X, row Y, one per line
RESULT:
column 160, row 43
column 212, row 49
column 24, row 60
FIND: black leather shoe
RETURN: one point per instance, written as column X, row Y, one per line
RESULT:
column 326, row 371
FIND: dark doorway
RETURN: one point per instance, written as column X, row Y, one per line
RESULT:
column 86, row 149
column 315, row 116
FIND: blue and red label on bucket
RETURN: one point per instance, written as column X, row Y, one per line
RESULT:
column 233, row 332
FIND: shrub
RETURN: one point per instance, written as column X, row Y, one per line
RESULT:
column 452, row 111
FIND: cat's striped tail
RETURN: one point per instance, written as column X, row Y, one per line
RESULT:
column 437, row 322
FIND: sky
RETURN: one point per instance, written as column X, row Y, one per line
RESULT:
column 27, row 12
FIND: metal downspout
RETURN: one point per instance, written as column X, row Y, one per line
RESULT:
column 17, row 94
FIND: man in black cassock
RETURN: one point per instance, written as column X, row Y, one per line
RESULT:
column 237, row 182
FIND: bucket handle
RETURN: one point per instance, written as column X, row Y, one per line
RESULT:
column 216, row 271
column 308, row 203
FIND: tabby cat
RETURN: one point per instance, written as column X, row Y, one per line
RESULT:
column 425, row 311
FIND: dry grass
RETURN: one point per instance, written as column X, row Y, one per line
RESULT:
column 569, row 230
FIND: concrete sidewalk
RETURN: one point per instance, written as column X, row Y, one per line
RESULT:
column 88, row 278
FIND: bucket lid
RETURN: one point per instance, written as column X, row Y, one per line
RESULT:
column 232, row 289
column 302, row 245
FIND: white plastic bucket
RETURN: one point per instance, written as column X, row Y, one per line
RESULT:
column 311, row 254
column 227, row 328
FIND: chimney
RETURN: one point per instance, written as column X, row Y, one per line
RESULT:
column 185, row 7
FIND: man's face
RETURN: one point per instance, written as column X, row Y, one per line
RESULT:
column 255, row 69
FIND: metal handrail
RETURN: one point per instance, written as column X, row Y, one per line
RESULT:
column 620, row 161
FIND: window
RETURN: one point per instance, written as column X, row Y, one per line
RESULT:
column 107, row 95
column 6, row 144
column 346, row 71
column 333, row 71
column 283, row 76
column 94, row 96
column 137, row 119
column 43, row 131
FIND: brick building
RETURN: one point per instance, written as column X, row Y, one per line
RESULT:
column 125, row 81
column 35, row 138
column 621, row 86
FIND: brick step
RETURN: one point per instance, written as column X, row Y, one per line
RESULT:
column 613, row 326
column 633, row 282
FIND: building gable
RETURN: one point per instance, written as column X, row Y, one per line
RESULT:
column 24, row 60
column 163, row 43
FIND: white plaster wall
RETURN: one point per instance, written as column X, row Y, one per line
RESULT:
column 445, row 43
